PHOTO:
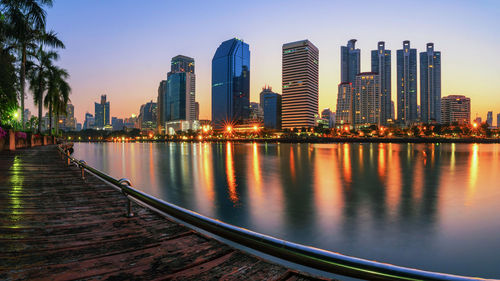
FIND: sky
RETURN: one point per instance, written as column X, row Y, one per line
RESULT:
column 122, row 48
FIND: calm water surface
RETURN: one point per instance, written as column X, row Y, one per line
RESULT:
column 429, row 206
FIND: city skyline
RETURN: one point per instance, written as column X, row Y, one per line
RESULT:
column 133, row 81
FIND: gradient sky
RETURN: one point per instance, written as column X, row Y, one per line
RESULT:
column 123, row 48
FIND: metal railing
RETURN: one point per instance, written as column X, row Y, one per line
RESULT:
column 300, row 254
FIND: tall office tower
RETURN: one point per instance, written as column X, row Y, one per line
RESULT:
column 498, row 121
column 455, row 109
column 89, row 121
column 328, row 115
column 230, row 83
column 101, row 115
column 182, row 63
column 345, row 103
column 197, row 111
column 407, row 84
column 393, row 115
column 489, row 118
column 270, row 104
column 160, row 107
column 147, row 115
column 381, row 64
column 179, row 92
column 68, row 120
column 367, row 99
column 350, row 62
column 430, row 84
column 300, row 72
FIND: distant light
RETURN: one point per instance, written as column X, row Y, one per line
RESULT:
column 255, row 128
column 229, row 128
column 16, row 115
column 133, row 115
column 475, row 125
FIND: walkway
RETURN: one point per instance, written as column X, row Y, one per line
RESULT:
column 55, row 226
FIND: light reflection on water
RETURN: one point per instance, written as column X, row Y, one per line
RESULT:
column 430, row 206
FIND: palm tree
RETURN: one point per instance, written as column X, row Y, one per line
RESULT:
column 39, row 72
column 57, row 97
column 26, row 29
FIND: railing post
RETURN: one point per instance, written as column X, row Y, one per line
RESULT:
column 69, row 160
column 81, row 163
column 127, row 182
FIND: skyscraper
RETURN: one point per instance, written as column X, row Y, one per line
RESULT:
column 367, row 99
column 300, row 72
column 498, row 121
column 230, row 83
column 147, row 115
column 89, row 121
column 102, row 113
column 430, row 84
column 455, row 109
column 160, row 107
column 270, row 104
column 350, row 62
column 381, row 64
column 407, row 84
column 327, row 114
column 489, row 118
column 345, row 103
column 182, row 63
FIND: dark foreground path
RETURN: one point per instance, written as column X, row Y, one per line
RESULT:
column 55, row 226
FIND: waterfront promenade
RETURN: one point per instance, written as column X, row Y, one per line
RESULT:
column 56, row 226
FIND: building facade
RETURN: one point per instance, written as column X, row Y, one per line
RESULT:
column 407, row 84
column 430, row 85
column 230, row 83
column 328, row 115
column 101, row 115
column 489, row 118
column 160, row 107
column 367, row 99
column 89, row 121
column 350, row 62
column 147, row 116
column 345, row 104
column 270, row 104
column 381, row 64
column 455, row 109
column 498, row 121
column 300, row 78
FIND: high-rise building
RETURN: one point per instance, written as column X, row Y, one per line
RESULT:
column 478, row 120
column 345, row 103
column 117, row 124
column 430, row 84
column 300, row 78
column 230, row 83
column 270, row 104
column 182, row 63
column 161, row 108
column 255, row 111
column 68, row 121
column 197, row 110
column 147, row 116
column 89, row 121
column 350, row 62
column 489, row 118
column 78, row 127
column 102, row 113
column 407, row 84
column 455, row 109
column 381, row 64
column 367, row 99
column 328, row 115
column 498, row 121
column 393, row 115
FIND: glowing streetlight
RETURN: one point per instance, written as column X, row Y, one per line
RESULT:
column 229, row 129
column 255, row 128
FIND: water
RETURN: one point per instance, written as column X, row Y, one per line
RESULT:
column 428, row 206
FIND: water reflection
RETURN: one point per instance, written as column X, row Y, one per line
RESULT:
column 418, row 205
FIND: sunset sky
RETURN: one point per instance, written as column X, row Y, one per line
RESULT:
column 123, row 48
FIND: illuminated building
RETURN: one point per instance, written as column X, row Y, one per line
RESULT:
column 350, row 62
column 381, row 64
column 430, row 85
column 455, row 109
column 101, row 115
column 367, row 99
column 407, row 84
column 345, row 104
column 300, row 74
column 230, row 83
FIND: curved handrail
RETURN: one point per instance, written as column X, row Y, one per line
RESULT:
column 300, row 254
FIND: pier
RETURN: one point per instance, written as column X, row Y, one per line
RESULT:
column 54, row 225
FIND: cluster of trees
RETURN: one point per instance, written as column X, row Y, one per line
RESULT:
column 28, row 52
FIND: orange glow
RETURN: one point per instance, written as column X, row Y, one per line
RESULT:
column 229, row 128
column 231, row 180
column 474, row 125
column 255, row 128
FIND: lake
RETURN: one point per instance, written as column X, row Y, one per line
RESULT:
column 428, row 206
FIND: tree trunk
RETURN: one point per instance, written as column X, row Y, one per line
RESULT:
column 57, row 124
column 23, row 81
column 50, row 118
column 40, row 104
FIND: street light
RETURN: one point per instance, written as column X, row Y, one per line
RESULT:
column 228, row 129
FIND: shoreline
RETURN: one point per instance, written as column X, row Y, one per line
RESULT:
column 322, row 140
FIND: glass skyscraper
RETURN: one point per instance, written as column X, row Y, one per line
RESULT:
column 407, row 84
column 270, row 103
column 230, row 83
column 430, row 85
column 102, row 113
column 350, row 62
column 367, row 99
column 381, row 64
column 345, row 103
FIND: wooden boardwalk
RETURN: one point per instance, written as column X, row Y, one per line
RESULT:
column 55, row 226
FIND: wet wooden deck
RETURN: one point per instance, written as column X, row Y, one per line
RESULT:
column 55, row 226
